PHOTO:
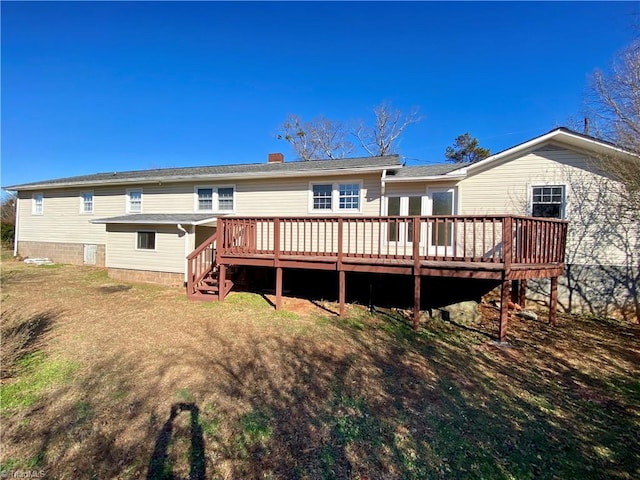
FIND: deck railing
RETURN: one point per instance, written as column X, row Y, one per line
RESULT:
column 200, row 262
column 466, row 238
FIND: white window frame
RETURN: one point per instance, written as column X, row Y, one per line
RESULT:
column 432, row 247
column 83, row 211
column 128, row 199
column 155, row 241
column 37, row 203
column 335, row 198
column 215, row 199
column 563, row 205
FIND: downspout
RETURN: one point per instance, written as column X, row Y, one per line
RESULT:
column 15, row 226
column 186, row 251
column 382, row 191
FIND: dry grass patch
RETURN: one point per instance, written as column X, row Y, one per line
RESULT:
column 167, row 388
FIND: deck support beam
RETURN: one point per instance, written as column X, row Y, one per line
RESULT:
column 515, row 291
column 342, row 287
column 504, row 310
column 222, row 279
column 416, row 302
column 278, row 288
column 522, row 298
column 553, row 301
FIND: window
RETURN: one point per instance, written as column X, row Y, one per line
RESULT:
column 37, row 206
column 146, row 241
column 205, row 199
column 134, row 201
column 335, row 197
column 225, row 199
column 322, row 197
column 349, row 196
column 86, row 202
column 548, row 201
column 214, row 199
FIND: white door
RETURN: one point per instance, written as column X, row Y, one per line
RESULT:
column 400, row 232
column 441, row 201
column 90, row 253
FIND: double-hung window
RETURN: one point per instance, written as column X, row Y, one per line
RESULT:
column 37, row 203
column 215, row 199
column 205, row 199
column 86, row 202
column 225, row 199
column 349, row 196
column 322, row 196
column 134, row 201
column 335, row 197
column 548, row 201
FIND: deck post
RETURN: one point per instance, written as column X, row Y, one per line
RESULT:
column 522, row 299
column 416, row 272
column 222, row 279
column 416, row 301
column 553, row 301
column 504, row 309
column 342, row 281
column 278, row 288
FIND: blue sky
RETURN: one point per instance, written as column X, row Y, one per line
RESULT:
column 103, row 86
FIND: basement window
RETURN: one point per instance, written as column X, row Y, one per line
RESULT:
column 146, row 241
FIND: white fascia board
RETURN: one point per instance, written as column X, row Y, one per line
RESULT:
column 459, row 175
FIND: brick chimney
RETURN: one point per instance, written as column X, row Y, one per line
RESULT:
column 276, row 158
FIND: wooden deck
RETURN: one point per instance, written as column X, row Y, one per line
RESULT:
column 507, row 248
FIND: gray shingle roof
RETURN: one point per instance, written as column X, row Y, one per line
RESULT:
column 160, row 218
column 428, row 170
column 225, row 171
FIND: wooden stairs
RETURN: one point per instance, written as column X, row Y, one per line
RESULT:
column 202, row 274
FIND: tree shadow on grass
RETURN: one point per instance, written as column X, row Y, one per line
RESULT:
column 362, row 399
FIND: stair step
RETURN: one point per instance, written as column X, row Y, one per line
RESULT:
column 207, row 288
column 202, row 297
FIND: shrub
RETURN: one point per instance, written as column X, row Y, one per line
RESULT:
column 7, row 232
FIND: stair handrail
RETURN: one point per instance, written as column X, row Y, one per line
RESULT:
column 193, row 277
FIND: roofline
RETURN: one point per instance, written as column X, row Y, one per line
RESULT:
column 104, row 221
column 459, row 175
column 557, row 133
column 200, row 177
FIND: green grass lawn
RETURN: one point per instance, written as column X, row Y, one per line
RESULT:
column 134, row 381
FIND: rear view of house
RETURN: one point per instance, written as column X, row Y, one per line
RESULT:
column 142, row 225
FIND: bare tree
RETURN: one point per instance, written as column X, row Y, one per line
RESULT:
column 319, row 138
column 381, row 138
column 324, row 138
column 614, row 104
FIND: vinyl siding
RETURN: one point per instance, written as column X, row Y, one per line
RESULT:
column 62, row 221
column 506, row 188
column 168, row 255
